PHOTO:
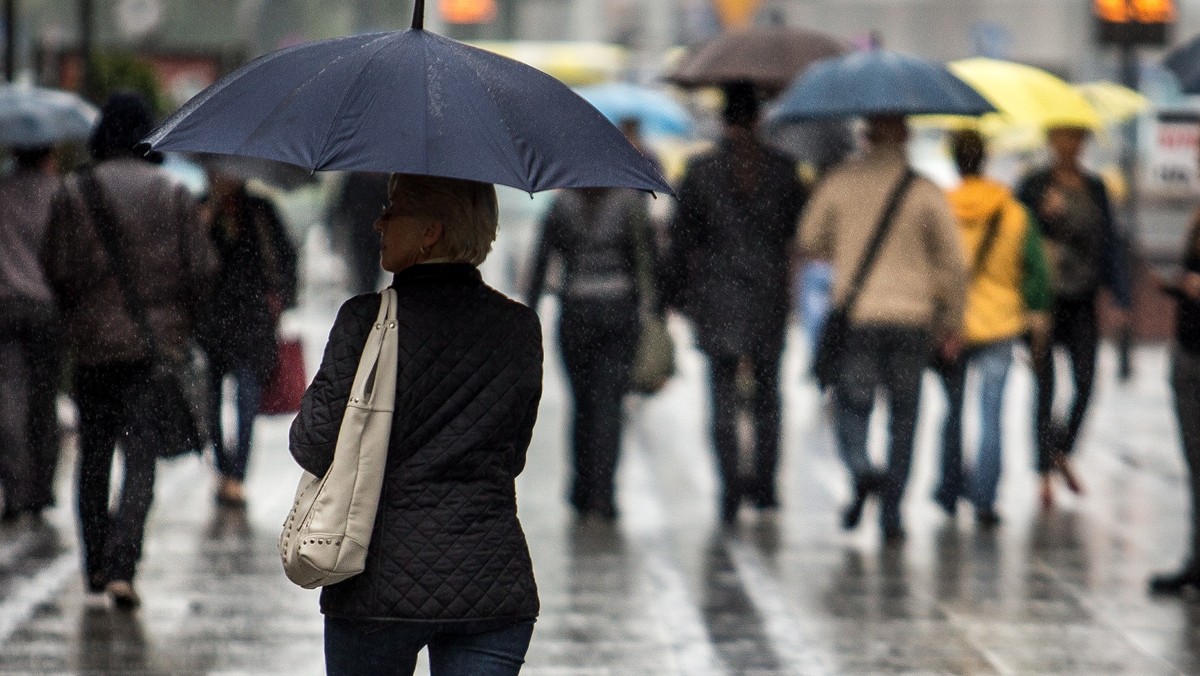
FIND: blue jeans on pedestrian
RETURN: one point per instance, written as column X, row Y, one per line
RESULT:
column 354, row 647
column 887, row 359
column 248, row 398
column 991, row 363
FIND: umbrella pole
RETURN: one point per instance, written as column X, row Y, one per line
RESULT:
column 419, row 16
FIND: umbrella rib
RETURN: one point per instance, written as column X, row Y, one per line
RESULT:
column 523, row 171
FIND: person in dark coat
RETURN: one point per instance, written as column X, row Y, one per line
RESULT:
column 1086, row 254
column 729, row 271
column 256, row 281
column 1185, row 383
column 30, row 347
column 170, row 264
column 351, row 218
column 603, row 238
column 448, row 566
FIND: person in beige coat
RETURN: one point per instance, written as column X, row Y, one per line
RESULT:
column 911, row 304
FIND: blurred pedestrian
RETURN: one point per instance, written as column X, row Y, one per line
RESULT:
column 351, row 219
column 29, row 339
column 237, row 328
column 1085, row 255
column 729, row 272
column 1008, row 295
column 448, row 566
column 1185, row 381
column 911, row 302
column 164, row 255
column 604, row 240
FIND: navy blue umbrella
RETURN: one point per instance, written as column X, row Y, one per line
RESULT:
column 411, row 102
column 1184, row 62
column 877, row 82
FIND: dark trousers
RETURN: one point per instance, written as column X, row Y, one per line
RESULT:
column 30, row 365
column 890, row 359
column 381, row 648
column 762, row 399
column 116, row 405
column 1185, row 381
column 231, row 462
column 1075, row 330
column 598, row 341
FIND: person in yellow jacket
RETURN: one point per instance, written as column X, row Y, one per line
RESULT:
column 1008, row 296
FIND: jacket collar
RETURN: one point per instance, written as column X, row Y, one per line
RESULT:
column 437, row 273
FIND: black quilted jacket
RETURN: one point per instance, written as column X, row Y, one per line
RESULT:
column 447, row 544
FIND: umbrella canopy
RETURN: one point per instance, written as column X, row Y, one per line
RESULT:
column 1028, row 96
column 34, row 116
column 877, row 82
column 768, row 57
column 1114, row 103
column 1184, row 62
column 656, row 112
column 412, row 102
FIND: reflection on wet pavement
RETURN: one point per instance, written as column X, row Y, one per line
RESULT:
column 666, row 591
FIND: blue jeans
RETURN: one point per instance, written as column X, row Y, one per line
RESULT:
column 991, row 362
column 249, row 396
column 487, row 648
column 891, row 359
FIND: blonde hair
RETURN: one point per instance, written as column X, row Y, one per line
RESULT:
column 467, row 211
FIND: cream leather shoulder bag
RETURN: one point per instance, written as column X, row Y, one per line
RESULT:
column 325, row 536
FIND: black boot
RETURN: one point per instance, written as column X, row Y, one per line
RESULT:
column 864, row 486
column 1178, row 582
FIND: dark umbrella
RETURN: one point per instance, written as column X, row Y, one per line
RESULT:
column 877, row 82
column 1184, row 62
column 411, row 102
column 769, row 57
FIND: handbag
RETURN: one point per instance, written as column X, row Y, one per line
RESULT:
column 285, row 387
column 181, row 419
column 831, row 343
column 327, row 532
column 654, row 358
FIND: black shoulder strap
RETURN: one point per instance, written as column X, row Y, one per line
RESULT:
column 105, row 223
column 989, row 241
column 876, row 243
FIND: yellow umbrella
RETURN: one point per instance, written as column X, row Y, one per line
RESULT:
column 1028, row 96
column 574, row 63
column 1115, row 103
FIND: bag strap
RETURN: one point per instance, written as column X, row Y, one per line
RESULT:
column 988, row 242
column 876, row 243
column 104, row 221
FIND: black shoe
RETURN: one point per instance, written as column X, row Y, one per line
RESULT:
column 894, row 535
column 947, row 500
column 729, row 508
column 987, row 518
column 1176, row 583
column 764, row 499
column 864, row 486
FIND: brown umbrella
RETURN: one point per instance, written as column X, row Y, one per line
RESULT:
column 770, row 57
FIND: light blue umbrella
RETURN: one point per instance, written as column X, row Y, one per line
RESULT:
column 877, row 82
column 35, row 116
column 656, row 112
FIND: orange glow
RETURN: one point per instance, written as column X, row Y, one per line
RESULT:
column 1135, row 11
column 467, row 11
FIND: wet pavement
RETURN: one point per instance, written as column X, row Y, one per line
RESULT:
column 665, row 591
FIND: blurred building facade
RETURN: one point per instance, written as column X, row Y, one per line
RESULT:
column 1056, row 34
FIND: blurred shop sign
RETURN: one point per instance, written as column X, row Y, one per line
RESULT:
column 1134, row 22
column 467, row 11
column 1171, row 169
column 736, row 13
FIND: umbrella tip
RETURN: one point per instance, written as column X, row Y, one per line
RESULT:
column 419, row 15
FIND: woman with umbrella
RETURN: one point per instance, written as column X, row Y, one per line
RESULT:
column 447, row 566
